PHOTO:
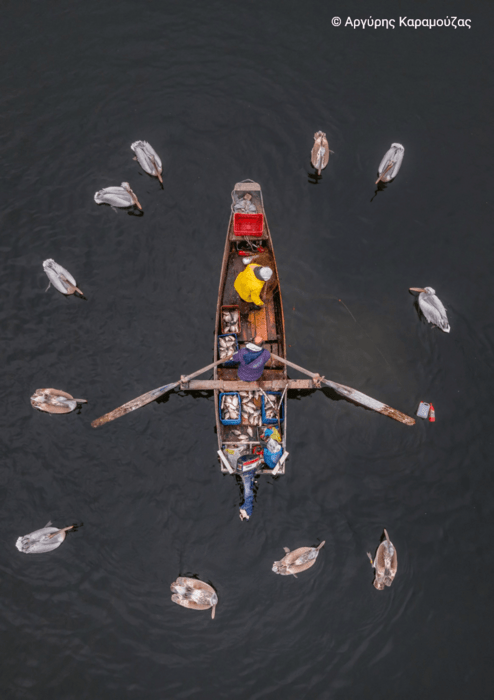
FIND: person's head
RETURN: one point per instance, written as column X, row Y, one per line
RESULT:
column 258, row 340
column 265, row 273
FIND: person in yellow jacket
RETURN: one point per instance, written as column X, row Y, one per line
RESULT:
column 250, row 282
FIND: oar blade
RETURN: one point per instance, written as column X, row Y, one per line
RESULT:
column 134, row 404
column 369, row 402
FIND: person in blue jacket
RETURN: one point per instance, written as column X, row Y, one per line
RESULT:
column 252, row 359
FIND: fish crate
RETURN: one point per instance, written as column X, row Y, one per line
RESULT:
column 248, row 224
column 231, row 307
column 272, row 421
column 230, row 363
column 226, row 421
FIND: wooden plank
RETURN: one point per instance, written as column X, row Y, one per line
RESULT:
column 237, row 385
column 247, row 187
column 257, row 320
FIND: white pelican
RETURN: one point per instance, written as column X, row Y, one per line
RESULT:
column 391, row 163
column 298, row 560
column 320, row 152
column 117, row 196
column 385, row 564
column 432, row 308
column 148, row 159
column 60, row 278
column 195, row 594
column 54, row 401
column 43, row 540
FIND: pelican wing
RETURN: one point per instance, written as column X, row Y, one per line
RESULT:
column 147, row 157
column 115, row 196
column 187, row 603
column 39, row 541
column 393, row 155
column 54, row 271
column 53, row 401
column 434, row 311
column 320, row 153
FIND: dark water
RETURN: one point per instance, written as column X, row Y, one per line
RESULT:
column 226, row 91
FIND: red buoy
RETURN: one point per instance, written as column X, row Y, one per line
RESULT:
column 432, row 414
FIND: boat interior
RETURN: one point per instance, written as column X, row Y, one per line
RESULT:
column 266, row 321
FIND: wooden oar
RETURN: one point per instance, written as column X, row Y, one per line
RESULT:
column 353, row 394
column 151, row 396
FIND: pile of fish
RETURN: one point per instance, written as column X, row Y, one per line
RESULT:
column 230, row 407
column 271, row 406
column 251, row 414
column 227, row 346
column 230, row 321
column 243, row 437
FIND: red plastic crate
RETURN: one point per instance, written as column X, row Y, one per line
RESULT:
column 248, row 224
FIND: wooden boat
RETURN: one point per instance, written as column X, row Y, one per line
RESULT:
column 266, row 321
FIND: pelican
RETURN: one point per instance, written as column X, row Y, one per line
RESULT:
column 43, row 540
column 298, row 560
column 148, row 159
column 432, row 308
column 391, row 163
column 117, row 196
column 60, row 278
column 320, row 152
column 54, row 401
column 385, row 563
column 195, row 594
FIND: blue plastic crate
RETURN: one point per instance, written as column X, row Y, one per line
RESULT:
column 231, row 393
column 272, row 421
column 230, row 363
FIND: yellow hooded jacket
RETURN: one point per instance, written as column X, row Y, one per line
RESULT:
column 248, row 286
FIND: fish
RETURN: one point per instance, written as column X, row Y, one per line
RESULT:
column 229, row 407
column 54, row 401
column 148, row 159
column 43, row 540
column 121, row 196
column 195, row 594
column 60, row 278
column 298, row 560
column 385, row 563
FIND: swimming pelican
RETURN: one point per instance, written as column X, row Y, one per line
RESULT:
column 60, row 278
column 391, row 163
column 298, row 560
column 320, row 152
column 43, row 540
column 54, row 401
column 385, row 563
column 432, row 308
column 148, row 159
column 117, row 196
column 195, row 594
